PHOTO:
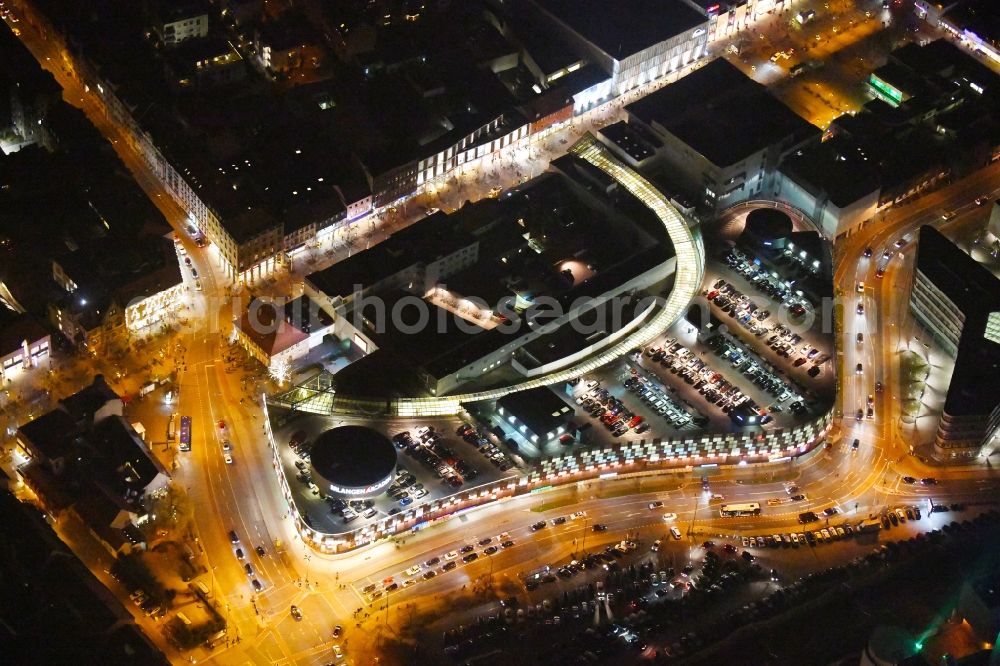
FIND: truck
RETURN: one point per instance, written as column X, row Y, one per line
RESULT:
column 803, row 67
column 869, row 525
column 216, row 638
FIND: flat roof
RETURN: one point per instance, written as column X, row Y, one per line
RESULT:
column 600, row 244
column 541, row 410
column 442, row 346
column 630, row 142
column 18, row 328
column 434, row 236
column 549, row 54
column 584, row 330
column 839, row 167
column 353, row 456
column 722, row 114
column 625, row 27
column 977, row 16
column 976, row 292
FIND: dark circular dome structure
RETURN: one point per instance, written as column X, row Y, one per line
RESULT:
column 768, row 227
column 353, row 462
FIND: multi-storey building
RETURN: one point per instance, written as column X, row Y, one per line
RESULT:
column 958, row 301
column 84, row 457
column 278, row 334
column 24, row 344
column 175, row 22
column 723, row 133
column 434, row 310
column 635, row 42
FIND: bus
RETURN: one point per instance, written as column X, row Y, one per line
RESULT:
column 185, row 433
column 172, row 428
column 738, row 510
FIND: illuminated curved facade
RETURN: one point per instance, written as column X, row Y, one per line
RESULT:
column 353, row 462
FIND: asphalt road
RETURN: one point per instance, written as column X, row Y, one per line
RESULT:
column 244, row 496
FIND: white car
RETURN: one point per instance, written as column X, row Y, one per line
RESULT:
column 578, row 514
column 670, row 517
column 338, row 652
column 413, row 571
column 228, row 458
column 227, row 445
column 675, row 533
column 450, row 555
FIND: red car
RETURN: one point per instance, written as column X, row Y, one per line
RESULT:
column 636, row 420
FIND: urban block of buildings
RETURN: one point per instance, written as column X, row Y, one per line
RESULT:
column 500, row 290
column 721, row 134
column 274, row 126
column 934, row 115
column 958, row 301
column 53, row 610
column 81, row 245
column 279, row 334
column 84, row 459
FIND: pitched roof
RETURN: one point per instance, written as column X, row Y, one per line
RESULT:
column 82, row 404
column 263, row 326
column 52, row 434
column 125, row 454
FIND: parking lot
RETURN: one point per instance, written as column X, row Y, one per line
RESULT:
column 794, row 346
column 433, row 462
column 623, row 401
column 759, row 357
column 599, row 600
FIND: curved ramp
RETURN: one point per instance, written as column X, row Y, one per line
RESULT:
column 687, row 281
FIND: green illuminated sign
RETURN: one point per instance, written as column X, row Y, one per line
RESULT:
column 881, row 86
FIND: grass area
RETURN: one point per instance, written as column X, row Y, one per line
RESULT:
column 658, row 485
column 777, row 477
column 616, row 492
column 638, row 486
column 554, row 504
